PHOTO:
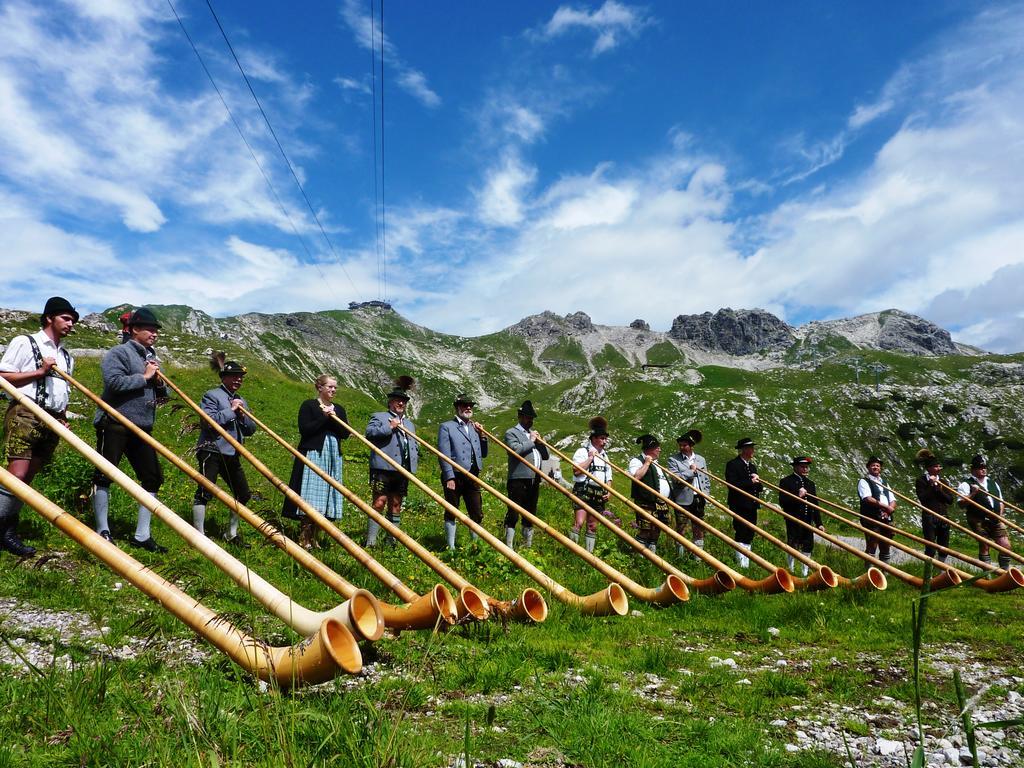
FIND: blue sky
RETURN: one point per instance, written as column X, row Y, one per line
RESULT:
column 815, row 159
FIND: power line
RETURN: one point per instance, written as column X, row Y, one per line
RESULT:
column 376, row 168
column 383, row 207
column 252, row 152
column 280, row 148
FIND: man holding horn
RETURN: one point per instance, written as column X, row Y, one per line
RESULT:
column 982, row 489
column 648, row 488
column 877, row 504
column 27, row 363
column 797, row 492
column 130, row 385
column 388, row 487
column 933, row 494
column 215, row 455
column 741, row 475
column 523, row 485
column 461, row 439
column 592, row 457
column 692, row 468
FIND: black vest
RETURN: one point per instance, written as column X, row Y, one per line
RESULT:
column 642, row 495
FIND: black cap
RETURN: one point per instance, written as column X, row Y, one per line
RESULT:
column 464, row 399
column 58, row 305
column 398, row 394
column 806, row 460
column 873, row 460
column 744, row 442
column 233, row 368
column 978, row 461
column 526, row 409
column 144, row 316
column 692, row 437
column 646, row 442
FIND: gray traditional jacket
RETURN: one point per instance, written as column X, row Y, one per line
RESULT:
column 391, row 441
column 679, row 464
column 217, row 404
column 519, row 441
column 466, row 450
column 124, row 386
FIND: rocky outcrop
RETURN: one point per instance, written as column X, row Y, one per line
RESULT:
column 548, row 324
column 735, row 332
column 640, row 325
column 892, row 330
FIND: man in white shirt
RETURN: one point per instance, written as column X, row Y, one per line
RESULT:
column 985, row 491
column 523, row 484
column 591, row 456
column 649, row 489
column 692, row 468
column 877, row 504
column 28, row 364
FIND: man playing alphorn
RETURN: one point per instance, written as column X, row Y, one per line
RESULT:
column 523, row 484
column 692, row 468
column 388, row 487
column 27, row 363
column 591, row 456
column 648, row 481
column 981, row 488
column 933, row 494
column 877, row 504
column 800, row 485
column 461, row 439
column 741, row 475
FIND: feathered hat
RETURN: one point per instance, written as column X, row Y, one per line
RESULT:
column 598, row 426
column 402, row 386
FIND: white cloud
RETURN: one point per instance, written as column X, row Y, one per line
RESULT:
column 500, row 203
column 611, row 23
column 867, row 113
column 351, row 84
column 415, row 82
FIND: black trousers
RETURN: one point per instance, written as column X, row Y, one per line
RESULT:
column 934, row 530
column 465, row 489
column 525, row 492
column 799, row 537
column 214, row 464
column 743, row 533
column 114, row 441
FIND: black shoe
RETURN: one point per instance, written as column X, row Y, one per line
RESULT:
column 237, row 541
column 106, row 535
column 149, row 545
column 14, row 545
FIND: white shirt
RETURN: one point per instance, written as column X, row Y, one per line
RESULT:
column 18, row 358
column 864, row 490
column 634, row 466
column 598, row 467
column 534, row 454
column 964, row 489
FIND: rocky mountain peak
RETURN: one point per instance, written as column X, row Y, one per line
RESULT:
column 549, row 324
column 733, row 331
column 893, row 330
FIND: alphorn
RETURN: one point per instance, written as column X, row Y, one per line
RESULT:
column 998, row 547
column 943, row 580
column 611, row 601
column 779, row 580
column 672, row 591
column 421, row 613
column 1010, row 579
column 526, row 607
column 1001, row 518
column 330, row 650
column 823, row 578
column 471, row 601
column 361, row 613
column 716, row 584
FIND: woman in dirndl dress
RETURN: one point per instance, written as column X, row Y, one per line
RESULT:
column 320, row 439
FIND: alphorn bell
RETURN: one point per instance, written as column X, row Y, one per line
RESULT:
column 470, row 600
column 422, row 613
column 823, row 578
column 361, row 614
column 330, row 650
column 777, row 581
column 529, row 601
column 1008, row 580
column 671, row 592
column 943, row 580
column 717, row 584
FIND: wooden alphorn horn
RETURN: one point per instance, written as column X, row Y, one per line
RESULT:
column 999, row 548
column 330, row 650
column 421, row 613
column 471, row 602
column 943, row 580
column 717, row 584
column 672, row 591
column 823, row 578
column 361, row 613
column 1010, row 579
column 434, row 563
column 777, row 581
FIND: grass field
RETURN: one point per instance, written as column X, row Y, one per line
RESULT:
column 717, row 681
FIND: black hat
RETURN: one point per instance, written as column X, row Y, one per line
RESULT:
column 978, row 461
column 526, row 409
column 744, row 442
column 646, row 442
column 464, row 399
column 233, row 368
column 873, row 460
column 598, row 426
column 692, row 437
column 58, row 305
column 927, row 459
column 398, row 394
column 144, row 316
column 801, row 460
